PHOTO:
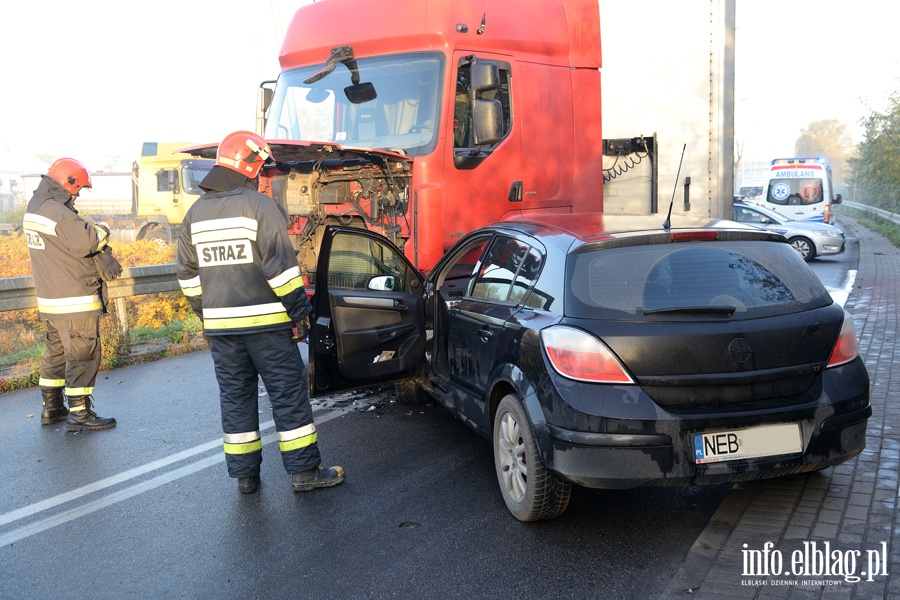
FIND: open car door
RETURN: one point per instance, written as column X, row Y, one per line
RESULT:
column 368, row 320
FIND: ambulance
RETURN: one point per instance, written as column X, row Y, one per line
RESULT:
column 801, row 189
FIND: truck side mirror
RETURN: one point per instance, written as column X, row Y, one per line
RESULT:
column 485, row 76
column 487, row 122
column 838, row 199
column 167, row 180
column 487, row 115
column 263, row 101
column 173, row 182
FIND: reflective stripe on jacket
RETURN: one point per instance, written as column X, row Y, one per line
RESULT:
column 236, row 265
column 60, row 245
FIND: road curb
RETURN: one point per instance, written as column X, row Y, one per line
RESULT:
column 709, row 545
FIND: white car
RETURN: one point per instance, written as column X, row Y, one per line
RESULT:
column 809, row 239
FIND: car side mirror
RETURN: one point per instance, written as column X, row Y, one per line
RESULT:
column 384, row 283
column 838, row 199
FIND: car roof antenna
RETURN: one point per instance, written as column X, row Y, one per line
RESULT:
column 667, row 224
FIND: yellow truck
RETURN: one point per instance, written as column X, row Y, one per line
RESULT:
column 168, row 184
column 164, row 184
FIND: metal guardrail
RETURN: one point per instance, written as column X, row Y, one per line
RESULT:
column 17, row 293
column 892, row 217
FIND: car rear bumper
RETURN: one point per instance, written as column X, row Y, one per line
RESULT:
column 620, row 462
column 613, row 452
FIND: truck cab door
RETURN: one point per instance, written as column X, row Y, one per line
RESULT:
column 368, row 320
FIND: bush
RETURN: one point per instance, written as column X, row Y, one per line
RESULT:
column 165, row 316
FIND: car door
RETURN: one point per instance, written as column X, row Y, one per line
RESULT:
column 747, row 214
column 485, row 295
column 368, row 324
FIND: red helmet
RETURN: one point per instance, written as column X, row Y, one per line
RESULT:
column 70, row 174
column 243, row 152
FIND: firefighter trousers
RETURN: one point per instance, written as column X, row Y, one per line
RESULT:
column 71, row 355
column 239, row 362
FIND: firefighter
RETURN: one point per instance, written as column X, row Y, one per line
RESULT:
column 70, row 259
column 239, row 272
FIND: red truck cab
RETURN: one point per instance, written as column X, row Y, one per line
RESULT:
column 424, row 120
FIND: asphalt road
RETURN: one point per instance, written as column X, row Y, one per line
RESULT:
column 146, row 510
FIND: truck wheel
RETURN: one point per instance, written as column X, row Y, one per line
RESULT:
column 804, row 246
column 157, row 235
column 530, row 490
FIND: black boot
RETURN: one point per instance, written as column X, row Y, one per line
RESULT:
column 317, row 478
column 54, row 406
column 82, row 418
column 248, row 485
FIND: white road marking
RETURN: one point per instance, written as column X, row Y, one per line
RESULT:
column 840, row 295
column 138, row 488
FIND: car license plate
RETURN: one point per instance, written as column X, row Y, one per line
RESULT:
column 735, row 444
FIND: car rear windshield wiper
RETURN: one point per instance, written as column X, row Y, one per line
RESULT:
column 713, row 310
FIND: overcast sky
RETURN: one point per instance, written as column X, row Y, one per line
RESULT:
column 93, row 79
column 799, row 61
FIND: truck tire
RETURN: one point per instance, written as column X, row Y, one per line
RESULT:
column 158, row 235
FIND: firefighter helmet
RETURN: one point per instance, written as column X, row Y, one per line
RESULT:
column 70, row 174
column 244, row 152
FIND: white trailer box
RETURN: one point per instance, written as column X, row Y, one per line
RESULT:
column 668, row 74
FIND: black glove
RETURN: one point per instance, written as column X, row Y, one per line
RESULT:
column 107, row 265
column 301, row 330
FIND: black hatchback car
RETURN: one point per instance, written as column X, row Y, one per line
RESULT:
column 603, row 351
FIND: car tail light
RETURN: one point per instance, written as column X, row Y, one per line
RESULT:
column 579, row 355
column 845, row 349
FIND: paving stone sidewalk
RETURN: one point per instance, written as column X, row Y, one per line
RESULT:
column 845, row 516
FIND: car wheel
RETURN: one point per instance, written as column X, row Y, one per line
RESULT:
column 409, row 392
column 530, row 490
column 805, row 247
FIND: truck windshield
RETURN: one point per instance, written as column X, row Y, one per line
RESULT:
column 403, row 115
column 193, row 172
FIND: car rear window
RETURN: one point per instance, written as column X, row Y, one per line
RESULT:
column 687, row 280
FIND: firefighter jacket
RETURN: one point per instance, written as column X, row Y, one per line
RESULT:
column 61, row 246
column 236, row 265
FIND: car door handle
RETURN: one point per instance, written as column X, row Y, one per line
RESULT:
column 485, row 334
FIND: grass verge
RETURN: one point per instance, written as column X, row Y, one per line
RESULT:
column 889, row 230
